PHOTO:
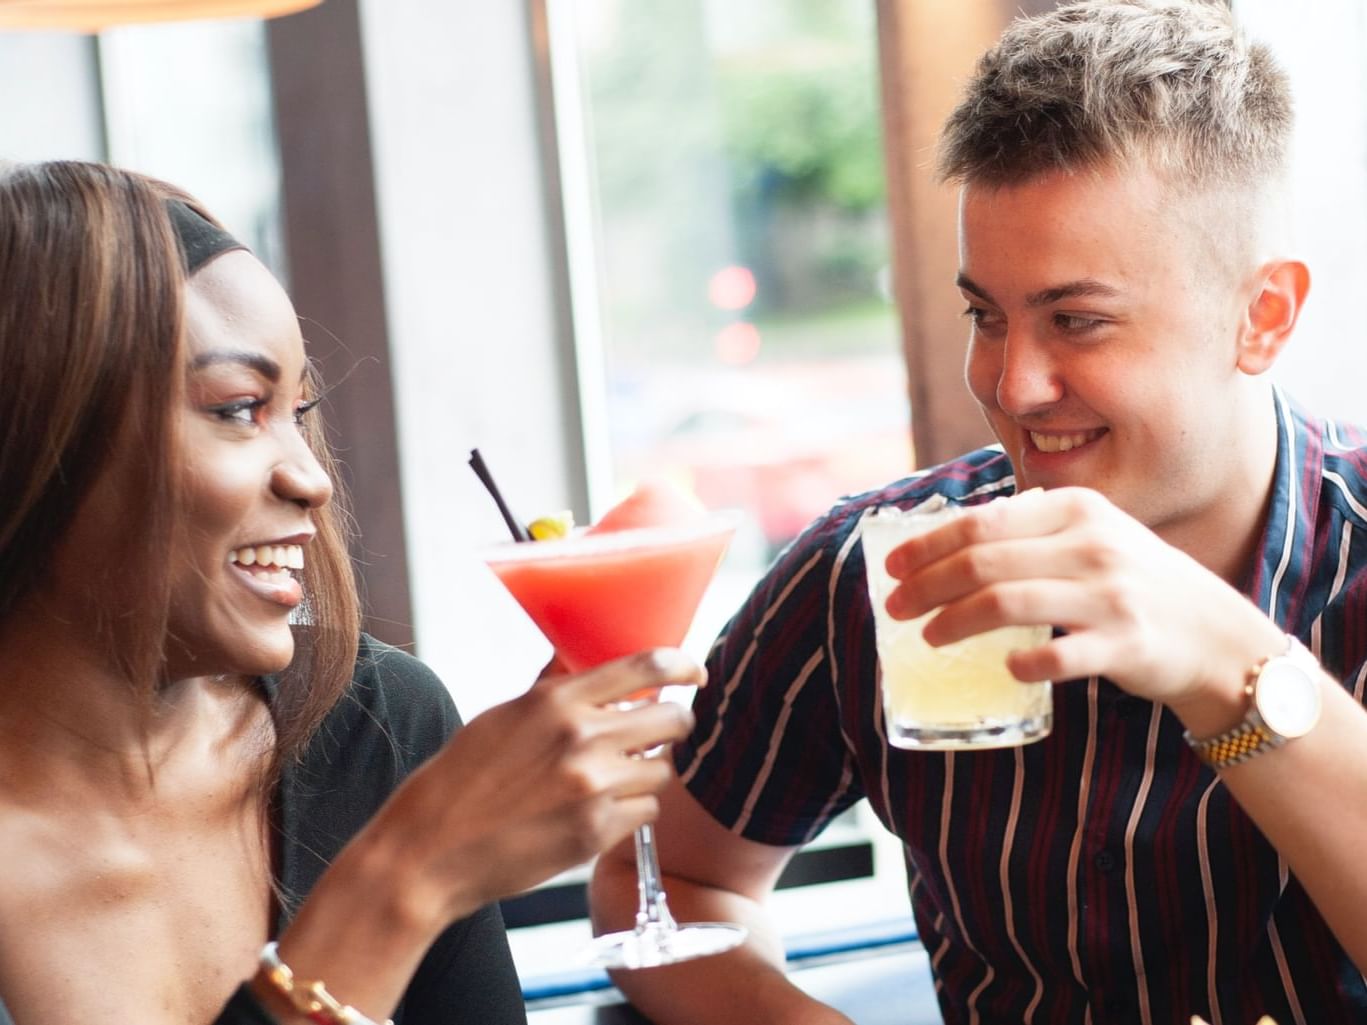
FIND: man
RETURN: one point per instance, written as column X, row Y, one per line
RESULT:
column 1160, row 854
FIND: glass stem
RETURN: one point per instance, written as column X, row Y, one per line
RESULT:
column 653, row 913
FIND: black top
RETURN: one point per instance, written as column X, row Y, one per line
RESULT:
column 394, row 716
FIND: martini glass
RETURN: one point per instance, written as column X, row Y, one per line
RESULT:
column 598, row 597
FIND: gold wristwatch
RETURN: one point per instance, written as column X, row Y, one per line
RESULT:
column 1283, row 704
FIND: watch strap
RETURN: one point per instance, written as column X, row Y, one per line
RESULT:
column 1249, row 738
column 1235, row 746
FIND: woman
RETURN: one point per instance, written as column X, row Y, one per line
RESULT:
column 184, row 774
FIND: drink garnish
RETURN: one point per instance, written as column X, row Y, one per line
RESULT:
column 549, row 528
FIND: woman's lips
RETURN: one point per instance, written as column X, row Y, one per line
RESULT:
column 288, row 556
column 266, row 570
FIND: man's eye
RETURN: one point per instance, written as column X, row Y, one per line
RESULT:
column 1072, row 324
column 983, row 319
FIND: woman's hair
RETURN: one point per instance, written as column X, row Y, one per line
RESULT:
column 92, row 365
column 1104, row 82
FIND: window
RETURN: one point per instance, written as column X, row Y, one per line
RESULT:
column 190, row 102
column 724, row 200
column 729, row 252
column 186, row 101
column 52, row 107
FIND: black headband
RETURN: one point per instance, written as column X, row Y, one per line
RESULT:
column 200, row 240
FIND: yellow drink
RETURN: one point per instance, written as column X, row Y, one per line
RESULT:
column 957, row 696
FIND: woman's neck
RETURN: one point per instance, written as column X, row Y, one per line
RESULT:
column 66, row 710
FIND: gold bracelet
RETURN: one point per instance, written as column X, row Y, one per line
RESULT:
column 309, row 998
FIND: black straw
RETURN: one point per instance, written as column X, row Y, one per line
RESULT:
column 519, row 532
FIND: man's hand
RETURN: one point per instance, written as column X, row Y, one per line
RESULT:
column 1130, row 606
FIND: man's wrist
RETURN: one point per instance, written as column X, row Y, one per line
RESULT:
column 1283, row 700
column 1221, row 701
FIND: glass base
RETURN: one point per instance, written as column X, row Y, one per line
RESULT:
column 988, row 733
column 657, row 945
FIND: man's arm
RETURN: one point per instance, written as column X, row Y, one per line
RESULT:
column 1165, row 628
column 1309, row 798
column 710, row 875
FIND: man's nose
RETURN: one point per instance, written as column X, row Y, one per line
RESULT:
column 1030, row 376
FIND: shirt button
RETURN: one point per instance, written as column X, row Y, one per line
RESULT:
column 1104, row 861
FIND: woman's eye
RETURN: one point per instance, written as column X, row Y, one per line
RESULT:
column 304, row 409
column 240, row 412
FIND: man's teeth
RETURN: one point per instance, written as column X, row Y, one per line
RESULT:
column 276, row 556
column 1061, row 442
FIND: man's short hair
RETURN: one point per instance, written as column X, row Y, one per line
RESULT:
column 1097, row 83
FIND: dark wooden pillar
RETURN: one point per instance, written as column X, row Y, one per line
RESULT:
column 927, row 50
column 332, row 248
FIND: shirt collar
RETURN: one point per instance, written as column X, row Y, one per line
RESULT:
column 1282, row 560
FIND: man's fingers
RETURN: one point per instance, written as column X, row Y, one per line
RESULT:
column 1067, row 657
column 1031, row 514
column 967, row 569
column 1061, row 603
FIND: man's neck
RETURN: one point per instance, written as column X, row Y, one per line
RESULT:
column 1225, row 537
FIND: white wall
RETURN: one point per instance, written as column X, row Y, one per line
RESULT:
column 51, row 107
column 468, row 278
column 1321, row 43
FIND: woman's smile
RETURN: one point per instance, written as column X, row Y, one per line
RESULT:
column 267, row 569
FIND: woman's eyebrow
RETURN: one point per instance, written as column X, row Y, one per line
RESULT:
column 263, row 365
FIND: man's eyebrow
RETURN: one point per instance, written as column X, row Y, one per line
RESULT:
column 969, row 285
column 1084, row 288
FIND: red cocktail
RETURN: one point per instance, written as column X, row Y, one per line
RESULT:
column 611, row 591
column 598, row 597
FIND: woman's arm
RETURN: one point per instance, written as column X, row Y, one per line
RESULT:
column 523, row 791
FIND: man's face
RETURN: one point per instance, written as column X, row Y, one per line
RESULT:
column 1104, row 339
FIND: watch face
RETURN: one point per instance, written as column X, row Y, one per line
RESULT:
column 1288, row 697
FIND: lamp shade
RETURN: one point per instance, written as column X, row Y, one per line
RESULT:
column 94, row 15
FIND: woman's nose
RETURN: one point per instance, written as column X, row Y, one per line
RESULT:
column 299, row 477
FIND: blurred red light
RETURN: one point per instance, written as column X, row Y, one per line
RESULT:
column 737, row 344
column 732, row 288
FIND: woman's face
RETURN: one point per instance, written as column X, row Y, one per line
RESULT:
column 251, row 483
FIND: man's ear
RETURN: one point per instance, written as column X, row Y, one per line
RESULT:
column 1272, row 313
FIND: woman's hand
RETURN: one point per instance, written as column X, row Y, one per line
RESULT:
column 523, row 791
column 538, row 784
column 1132, row 607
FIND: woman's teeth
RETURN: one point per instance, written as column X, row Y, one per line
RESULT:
column 1062, row 442
column 269, row 556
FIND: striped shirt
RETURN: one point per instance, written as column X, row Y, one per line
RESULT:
column 1102, row 875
